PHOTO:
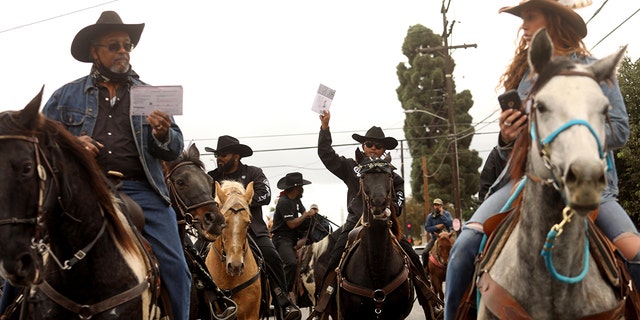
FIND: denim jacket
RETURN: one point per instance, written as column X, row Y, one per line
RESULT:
column 617, row 131
column 75, row 105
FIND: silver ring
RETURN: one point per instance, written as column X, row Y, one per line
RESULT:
column 507, row 124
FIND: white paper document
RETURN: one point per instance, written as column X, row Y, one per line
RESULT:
column 167, row 99
column 323, row 99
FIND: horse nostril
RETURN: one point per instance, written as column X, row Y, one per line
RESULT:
column 208, row 217
column 24, row 264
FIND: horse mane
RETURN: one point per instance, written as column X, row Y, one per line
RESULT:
column 51, row 134
column 185, row 156
column 232, row 187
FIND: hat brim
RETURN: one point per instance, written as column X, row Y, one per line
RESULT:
column 388, row 142
column 573, row 19
column 284, row 185
column 241, row 149
column 82, row 41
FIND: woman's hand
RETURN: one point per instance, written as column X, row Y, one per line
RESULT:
column 511, row 123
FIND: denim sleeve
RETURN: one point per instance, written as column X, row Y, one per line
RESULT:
column 617, row 131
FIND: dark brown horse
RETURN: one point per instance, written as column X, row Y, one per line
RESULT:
column 374, row 277
column 198, row 216
column 54, row 203
column 436, row 267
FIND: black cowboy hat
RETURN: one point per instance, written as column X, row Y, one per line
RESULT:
column 570, row 17
column 375, row 134
column 230, row 144
column 108, row 21
column 291, row 180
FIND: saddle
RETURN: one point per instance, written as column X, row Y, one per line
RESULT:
column 131, row 209
column 504, row 306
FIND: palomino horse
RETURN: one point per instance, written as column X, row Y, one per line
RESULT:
column 373, row 277
column 563, row 163
column 55, row 204
column 436, row 266
column 230, row 260
column 191, row 191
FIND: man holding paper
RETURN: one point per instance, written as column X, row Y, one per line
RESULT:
column 96, row 108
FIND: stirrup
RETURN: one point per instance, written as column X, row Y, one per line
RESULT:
column 230, row 311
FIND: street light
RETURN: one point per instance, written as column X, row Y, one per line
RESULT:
column 427, row 112
column 454, row 160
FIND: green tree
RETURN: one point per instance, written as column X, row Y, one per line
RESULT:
column 627, row 160
column 422, row 87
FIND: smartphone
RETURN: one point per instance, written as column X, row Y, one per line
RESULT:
column 510, row 100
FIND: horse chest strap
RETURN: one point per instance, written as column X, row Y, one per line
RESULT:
column 499, row 301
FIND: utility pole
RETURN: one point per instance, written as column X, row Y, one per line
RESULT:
column 404, row 212
column 449, row 95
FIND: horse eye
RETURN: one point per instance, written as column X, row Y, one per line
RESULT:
column 27, row 169
column 541, row 107
column 180, row 182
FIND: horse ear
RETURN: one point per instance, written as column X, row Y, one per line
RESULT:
column 193, row 151
column 605, row 69
column 387, row 157
column 248, row 192
column 359, row 155
column 540, row 50
column 222, row 197
column 29, row 117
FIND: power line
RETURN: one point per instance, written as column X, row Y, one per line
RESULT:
column 616, row 28
column 597, row 11
column 56, row 17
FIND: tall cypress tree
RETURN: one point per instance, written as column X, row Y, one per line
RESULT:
column 422, row 87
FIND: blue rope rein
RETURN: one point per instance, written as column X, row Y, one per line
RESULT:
column 547, row 249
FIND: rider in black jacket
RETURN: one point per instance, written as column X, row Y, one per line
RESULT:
column 228, row 154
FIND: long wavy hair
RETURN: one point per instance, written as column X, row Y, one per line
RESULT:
column 565, row 41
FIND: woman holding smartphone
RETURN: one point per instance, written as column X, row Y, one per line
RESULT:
column 566, row 29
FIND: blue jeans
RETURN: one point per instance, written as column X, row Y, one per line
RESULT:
column 161, row 231
column 612, row 220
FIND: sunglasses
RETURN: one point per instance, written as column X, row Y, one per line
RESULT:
column 370, row 144
column 115, row 46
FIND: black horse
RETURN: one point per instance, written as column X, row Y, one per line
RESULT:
column 374, row 276
column 62, row 234
column 198, row 217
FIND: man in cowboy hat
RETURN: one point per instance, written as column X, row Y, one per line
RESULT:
column 229, row 152
column 290, row 222
column 96, row 108
column 374, row 144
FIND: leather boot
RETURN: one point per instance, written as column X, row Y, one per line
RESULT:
column 288, row 309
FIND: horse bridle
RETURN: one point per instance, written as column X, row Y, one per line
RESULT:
column 38, row 242
column 544, row 147
column 185, row 208
column 222, row 254
column 42, row 176
column 544, row 144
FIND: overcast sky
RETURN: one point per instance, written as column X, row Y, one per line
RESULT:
column 251, row 68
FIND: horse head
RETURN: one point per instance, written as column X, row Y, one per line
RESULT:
column 21, row 193
column 192, row 195
column 234, row 202
column 567, row 123
column 443, row 246
column 376, row 185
